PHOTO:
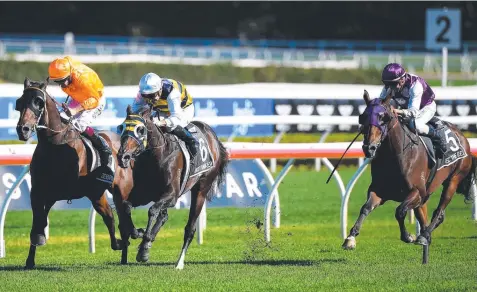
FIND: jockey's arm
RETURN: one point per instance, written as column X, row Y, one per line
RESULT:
column 175, row 109
column 415, row 97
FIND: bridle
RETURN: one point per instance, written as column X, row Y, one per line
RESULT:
column 130, row 128
column 40, row 112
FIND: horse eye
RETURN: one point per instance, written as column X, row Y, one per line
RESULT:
column 38, row 102
column 141, row 131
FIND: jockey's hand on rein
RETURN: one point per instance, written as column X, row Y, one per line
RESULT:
column 398, row 112
column 159, row 123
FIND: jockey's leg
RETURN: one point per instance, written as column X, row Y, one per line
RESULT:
column 178, row 129
column 82, row 123
column 426, row 114
column 187, row 137
column 99, row 144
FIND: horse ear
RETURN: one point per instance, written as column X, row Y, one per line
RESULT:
column 43, row 84
column 366, row 97
column 26, row 83
column 129, row 110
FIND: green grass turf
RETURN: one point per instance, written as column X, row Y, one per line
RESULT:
column 305, row 253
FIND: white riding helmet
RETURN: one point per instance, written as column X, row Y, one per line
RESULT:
column 150, row 83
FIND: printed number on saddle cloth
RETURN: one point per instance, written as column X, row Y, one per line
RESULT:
column 456, row 151
column 203, row 150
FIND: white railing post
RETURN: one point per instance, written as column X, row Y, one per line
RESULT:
column 322, row 140
column 4, row 208
column 273, row 161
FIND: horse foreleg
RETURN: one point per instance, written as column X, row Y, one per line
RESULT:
column 40, row 221
column 197, row 202
column 123, row 209
column 154, row 212
column 372, row 202
column 104, row 209
column 411, row 202
column 438, row 215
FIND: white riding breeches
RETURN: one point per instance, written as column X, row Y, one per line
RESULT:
column 180, row 118
column 82, row 119
column 424, row 116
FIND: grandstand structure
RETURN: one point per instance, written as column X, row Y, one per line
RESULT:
column 247, row 53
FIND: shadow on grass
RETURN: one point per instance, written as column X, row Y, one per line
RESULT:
column 255, row 263
column 22, row 268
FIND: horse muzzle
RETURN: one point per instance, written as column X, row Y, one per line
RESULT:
column 370, row 150
column 24, row 132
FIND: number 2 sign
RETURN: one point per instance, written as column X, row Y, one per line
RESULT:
column 443, row 29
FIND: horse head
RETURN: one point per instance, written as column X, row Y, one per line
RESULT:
column 31, row 106
column 134, row 135
column 375, row 123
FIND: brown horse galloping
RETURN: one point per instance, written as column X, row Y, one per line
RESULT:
column 401, row 171
column 159, row 170
column 59, row 166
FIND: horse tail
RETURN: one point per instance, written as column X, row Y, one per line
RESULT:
column 223, row 162
column 465, row 186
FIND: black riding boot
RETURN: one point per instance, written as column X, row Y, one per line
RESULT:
column 99, row 144
column 438, row 141
column 187, row 137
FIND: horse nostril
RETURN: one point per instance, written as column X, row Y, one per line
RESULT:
column 126, row 157
column 26, row 129
column 372, row 148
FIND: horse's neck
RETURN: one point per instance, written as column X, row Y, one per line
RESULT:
column 399, row 142
column 159, row 141
column 55, row 130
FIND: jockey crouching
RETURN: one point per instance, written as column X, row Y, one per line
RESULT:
column 85, row 88
column 416, row 98
column 172, row 102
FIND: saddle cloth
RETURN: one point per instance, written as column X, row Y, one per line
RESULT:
column 94, row 161
column 455, row 150
column 203, row 160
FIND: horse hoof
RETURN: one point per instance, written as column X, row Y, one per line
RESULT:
column 421, row 240
column 409, row 238
column 349, row 243
column 180, row 266
column 142, row 256
column 37, row 239
column 138, row 233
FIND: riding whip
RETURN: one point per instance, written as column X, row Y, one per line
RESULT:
column 339, row 161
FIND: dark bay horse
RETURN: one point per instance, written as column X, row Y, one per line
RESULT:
column 59, row 166
column 401, row 171
column 159, row 166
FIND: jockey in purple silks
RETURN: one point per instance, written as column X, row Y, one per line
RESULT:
column 416, row 99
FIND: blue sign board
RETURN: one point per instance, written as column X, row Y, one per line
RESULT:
column 443, row 29
column 116, row 108
column 246, row 185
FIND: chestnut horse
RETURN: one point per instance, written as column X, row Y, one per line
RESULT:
column 59, row 166
column 401, row 170
column 159, row 167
